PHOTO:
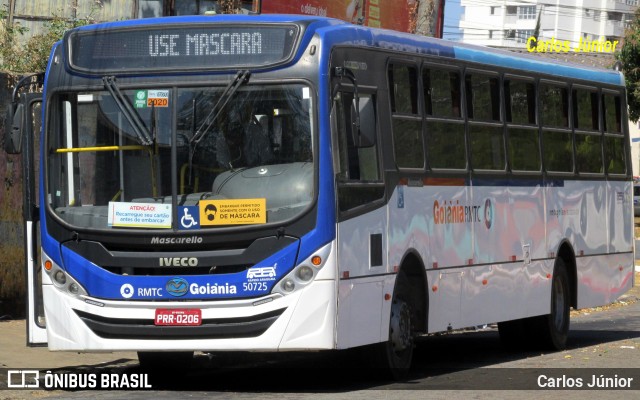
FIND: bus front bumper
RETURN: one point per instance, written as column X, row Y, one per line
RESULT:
column 303, row 320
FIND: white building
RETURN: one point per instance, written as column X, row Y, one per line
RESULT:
column 504, row 23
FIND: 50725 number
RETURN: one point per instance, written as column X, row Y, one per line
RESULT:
column 254, row 286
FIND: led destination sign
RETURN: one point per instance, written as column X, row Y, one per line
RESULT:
column 181, row 48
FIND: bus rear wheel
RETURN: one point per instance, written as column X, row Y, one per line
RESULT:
column 552, row 329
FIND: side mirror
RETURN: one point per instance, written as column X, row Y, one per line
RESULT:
column 13, row 129
column 363, row 121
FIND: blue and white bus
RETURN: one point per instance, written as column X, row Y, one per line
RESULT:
column 286, row 183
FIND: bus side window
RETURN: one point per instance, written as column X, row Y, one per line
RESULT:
column 523, row 141
column 615, row 160
column 614, row 143
column 585, row 110
column 483, row 97
column 557, row 139
column 407, row 120
column 612, row 113
column 359, row 178
column 446, row 146
column 554, row 104
column 486, row 138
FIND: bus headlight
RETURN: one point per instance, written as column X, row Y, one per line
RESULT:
column 61, row 279
column 74, row 288
column 304, row 273
column 288, row 285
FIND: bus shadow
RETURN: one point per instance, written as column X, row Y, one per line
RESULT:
column 439, row 358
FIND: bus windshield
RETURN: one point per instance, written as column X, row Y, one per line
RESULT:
column 109, row 152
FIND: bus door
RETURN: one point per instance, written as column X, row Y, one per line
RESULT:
column 24, row 122
column 362, row 225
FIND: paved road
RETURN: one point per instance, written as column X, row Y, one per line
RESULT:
column 601, row 342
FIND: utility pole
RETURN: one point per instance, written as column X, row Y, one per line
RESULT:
column 429, row 18
column 12, row 6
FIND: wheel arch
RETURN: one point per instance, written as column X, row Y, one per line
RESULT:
column 567, row 254
column 413, row 267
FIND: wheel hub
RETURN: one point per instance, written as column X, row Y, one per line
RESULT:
column 400, row 324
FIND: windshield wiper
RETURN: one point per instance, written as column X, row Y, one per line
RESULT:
column 130, row 114
column 240, row 79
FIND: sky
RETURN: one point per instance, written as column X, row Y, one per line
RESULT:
column 452, row 13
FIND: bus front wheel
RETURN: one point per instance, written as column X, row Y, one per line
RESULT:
column 397, row 352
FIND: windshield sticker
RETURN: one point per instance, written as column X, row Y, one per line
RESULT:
column 233, row 212
column 189, row 217
column 152, row 98
column 139, row 215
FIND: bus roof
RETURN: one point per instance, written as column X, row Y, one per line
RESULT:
column 337, row 32
column 488, row 56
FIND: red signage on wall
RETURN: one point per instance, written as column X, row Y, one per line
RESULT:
column 375, row 13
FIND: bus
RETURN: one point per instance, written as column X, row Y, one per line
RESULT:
column 298, row 183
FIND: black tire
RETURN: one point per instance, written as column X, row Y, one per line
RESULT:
column 551, row 330
column 395, row 355
column 157, row 361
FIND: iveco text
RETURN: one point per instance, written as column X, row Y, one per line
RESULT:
column 178, row 262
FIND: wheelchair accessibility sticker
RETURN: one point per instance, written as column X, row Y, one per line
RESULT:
column 188, row 217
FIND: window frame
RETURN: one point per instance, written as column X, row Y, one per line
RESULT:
column 622, row 134
column 580, row 132
column 574, row 108
column 472, row 123
column 336, row 145
column 460, row 120
column 417, row 117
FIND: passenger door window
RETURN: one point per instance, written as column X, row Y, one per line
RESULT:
column 357, row 168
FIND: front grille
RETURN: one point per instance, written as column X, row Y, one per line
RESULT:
column 224, row 259
column 217, row 328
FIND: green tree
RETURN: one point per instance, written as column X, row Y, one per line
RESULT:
column 536, row 31
column 33, row 55
column 9, row 34
column 230, row 6
column 629, row 55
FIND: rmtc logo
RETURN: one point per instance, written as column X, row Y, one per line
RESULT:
column 178, row 262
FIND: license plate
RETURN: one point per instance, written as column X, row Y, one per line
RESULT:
column 178, row 317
